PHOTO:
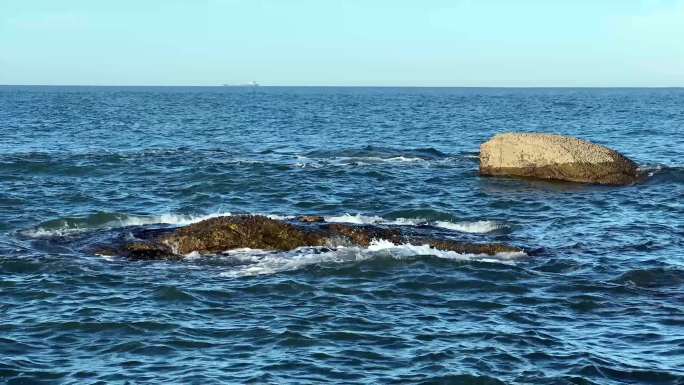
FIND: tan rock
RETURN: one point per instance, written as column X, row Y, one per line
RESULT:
column 557, row 157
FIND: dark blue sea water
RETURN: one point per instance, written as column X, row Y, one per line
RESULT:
column 597, row 299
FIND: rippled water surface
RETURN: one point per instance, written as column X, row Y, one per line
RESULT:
column 598, row 299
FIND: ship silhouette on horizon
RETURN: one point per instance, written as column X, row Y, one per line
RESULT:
column 253, row 83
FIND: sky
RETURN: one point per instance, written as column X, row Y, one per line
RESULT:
column 489, row 43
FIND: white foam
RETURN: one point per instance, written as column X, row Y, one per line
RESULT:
column 124, row 221
column 408, row 221
column 108, row 258
column 169, row 219
column 192, row 255
column 278, row 217
column 263, row 262
column 304, row 162
column 476, row 227
column 480, row 227
column 355, row 219
column 377, row 159
column 46, row 233
column 650, row 170
column 360, row 219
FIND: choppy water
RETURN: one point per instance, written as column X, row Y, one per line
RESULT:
column 598, row 300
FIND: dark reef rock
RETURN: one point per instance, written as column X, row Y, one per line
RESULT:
column 148, row 250
column 233, row 232
column 311, row 218
column 217, row 235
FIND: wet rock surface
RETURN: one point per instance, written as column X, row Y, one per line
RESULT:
column 220, row 234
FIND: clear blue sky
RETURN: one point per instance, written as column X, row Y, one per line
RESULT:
column 343, row 42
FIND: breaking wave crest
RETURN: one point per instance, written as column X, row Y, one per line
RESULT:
column 379, row 153
column 304, row 161
column 249, row 262
column 371, row 155
column 475, row 227
column 660, row 173
column 75, row 225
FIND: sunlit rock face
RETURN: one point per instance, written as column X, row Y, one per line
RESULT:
column 555, row 157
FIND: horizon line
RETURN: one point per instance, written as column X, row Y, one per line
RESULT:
column 337, row 86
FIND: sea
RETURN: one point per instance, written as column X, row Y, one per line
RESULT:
column 596, row 298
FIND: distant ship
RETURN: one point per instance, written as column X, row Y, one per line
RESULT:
column 251, row 84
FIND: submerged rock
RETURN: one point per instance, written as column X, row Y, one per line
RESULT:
column 557, row 157
column 220, row 234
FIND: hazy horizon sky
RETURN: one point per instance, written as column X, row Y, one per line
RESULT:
column 343, row 42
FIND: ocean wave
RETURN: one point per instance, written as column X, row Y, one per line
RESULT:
column 99, row 221
column 75, row 225
column 370, row 155
column 304, row 162
column 250, row 262
column 475, row 227
column 379, row 152
column 652, row 277
column 660, row 173
column 355, row 219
